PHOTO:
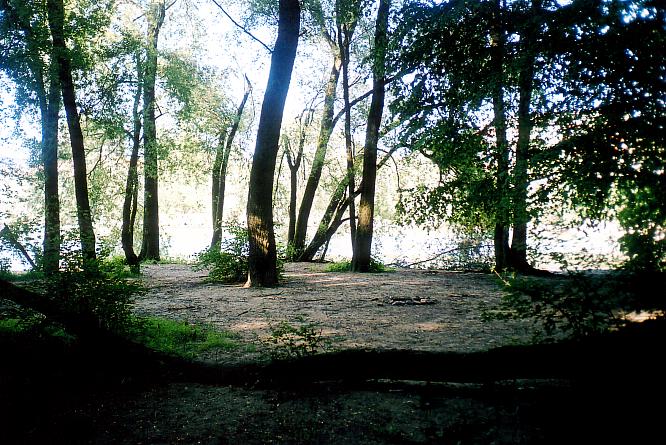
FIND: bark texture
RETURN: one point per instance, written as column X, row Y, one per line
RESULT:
column 132, row 184
column 56, row 19
column 150, row 247
column 363, row 242
column 263, row 254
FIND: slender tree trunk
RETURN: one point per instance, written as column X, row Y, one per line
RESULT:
column 56, row 18
column 363, row 240
column 215, row 190
column 521, row 178
column 337, row 206
column 150, row 247
column 325, row 131
column 50, row 108
column 218, row 204
column 132, row 184
column 263, row 253
column 502, row 219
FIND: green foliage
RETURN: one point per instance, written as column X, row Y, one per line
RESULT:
column 229, row 264
column 181, row 338
column 578, row 305
column 289, row 341
column 93, row 292
column 375, row 266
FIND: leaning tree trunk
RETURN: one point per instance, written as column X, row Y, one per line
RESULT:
column 334, row 215
column 363, row 241
column 502, row 219
column 150, row 247
column 56, row 19
column 261, row 234
column 219, row 191
column 521, row 179
column 325, row 131
column 132, row 184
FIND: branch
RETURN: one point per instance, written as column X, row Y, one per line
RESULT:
column 436, row 256
column 242, row 27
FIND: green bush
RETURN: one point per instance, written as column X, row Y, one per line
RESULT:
column 229, row 264
column 576, row 306
column 289, row 341
column 94, row 290
column 345, row 266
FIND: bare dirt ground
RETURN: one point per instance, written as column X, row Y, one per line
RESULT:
column 405, row 309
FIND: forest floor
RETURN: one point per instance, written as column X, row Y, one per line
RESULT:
column 434, row 311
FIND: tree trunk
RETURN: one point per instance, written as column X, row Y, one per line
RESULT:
column 215, row 190
column 294, row 163
column 50, row 108
column 521, row 178
column 150, row 247
column 56, row 18
column 329, row 223
column 132, row 184
column 363, row 240
column 333, row 216
column 502, row 219
column 325, row 131
column 263, row 253
column 218, row 201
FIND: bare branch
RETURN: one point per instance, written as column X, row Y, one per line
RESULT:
column 245, row 30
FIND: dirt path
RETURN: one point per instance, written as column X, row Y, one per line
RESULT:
column 353, row 310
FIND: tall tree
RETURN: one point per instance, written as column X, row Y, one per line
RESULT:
column 502, row 219
column 56, row 19
column 220, row 167
column 262, row 251
column 28, row 50
column 346, row 14
column 130, row 203
column 363, row 241
column 150, row 247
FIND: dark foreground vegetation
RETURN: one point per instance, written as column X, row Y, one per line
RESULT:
column 65, row 381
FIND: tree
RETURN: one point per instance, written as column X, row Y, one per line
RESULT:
column 150, row 247
column 263, row 252
column 56, row 20
column 363, row 241
column 130, row 204
column 346, row 15
column 28, row 50
column 220, row 166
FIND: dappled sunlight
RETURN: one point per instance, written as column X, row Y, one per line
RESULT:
column 641, row 316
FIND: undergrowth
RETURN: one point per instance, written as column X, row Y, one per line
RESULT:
column 181, row 338
column 345, row 266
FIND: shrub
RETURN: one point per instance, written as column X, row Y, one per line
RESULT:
column 376, row 266
column 577, row 305
column 229, row 264
column 289, row 341
column 95, row 291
